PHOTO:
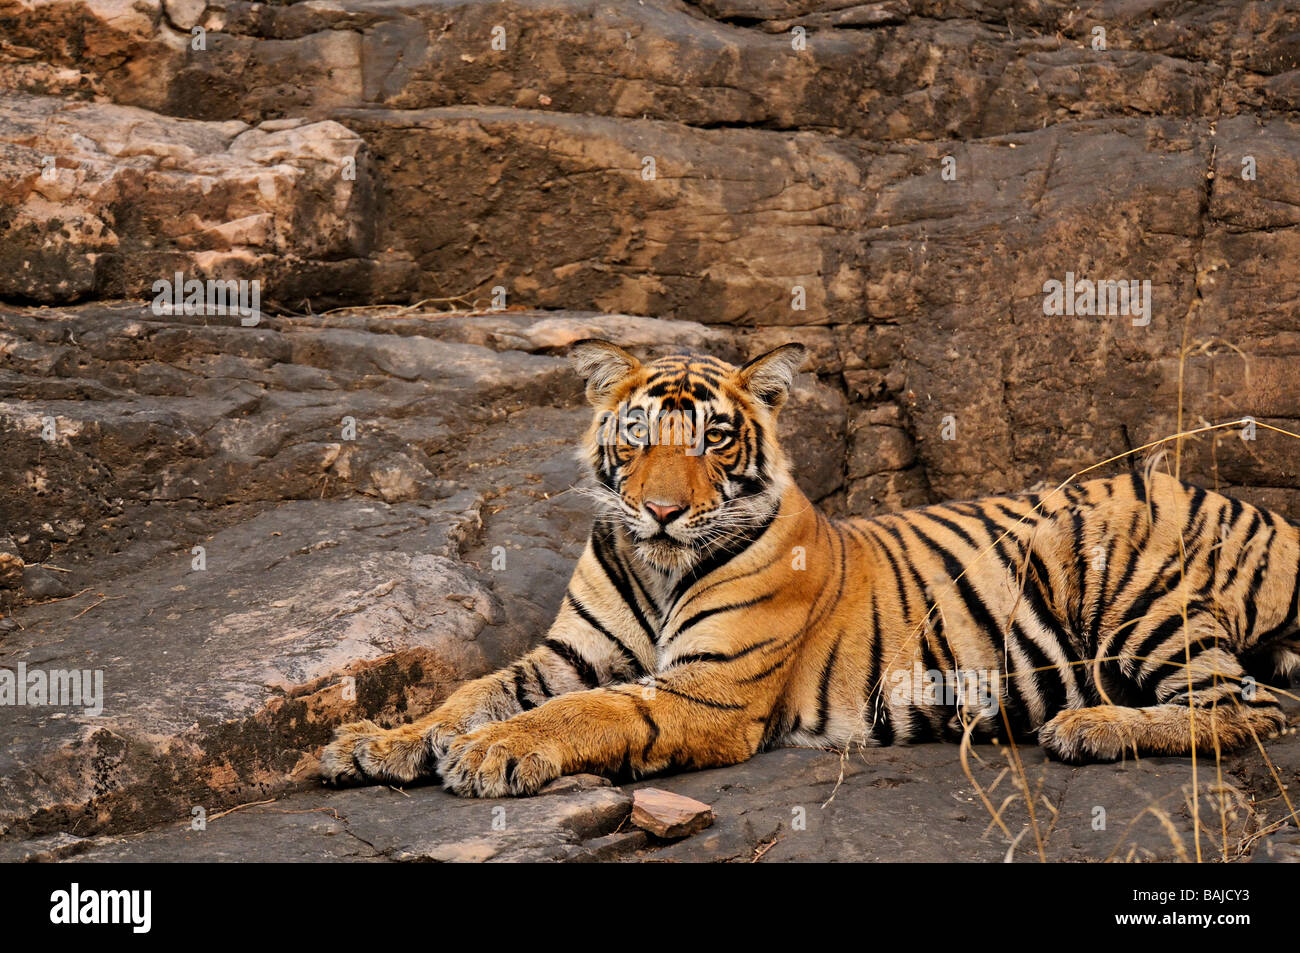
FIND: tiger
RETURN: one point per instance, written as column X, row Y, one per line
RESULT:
column 715, row 612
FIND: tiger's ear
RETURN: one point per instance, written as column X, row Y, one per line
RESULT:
column 602, row 365
column 769, row 376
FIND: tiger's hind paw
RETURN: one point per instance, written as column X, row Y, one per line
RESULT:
column 1085, row 736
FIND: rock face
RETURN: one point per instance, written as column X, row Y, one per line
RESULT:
column 257, row 530
column 104, row 200
column 900, row 177
column 368, row 825
column 887, row 805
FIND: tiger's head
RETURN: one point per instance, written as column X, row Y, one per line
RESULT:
column 684, row 448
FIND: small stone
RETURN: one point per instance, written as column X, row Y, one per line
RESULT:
column 669, row 815
column 185, row 13
column 573, row 783
column 41, row 584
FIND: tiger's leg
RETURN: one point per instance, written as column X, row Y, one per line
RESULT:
column 362, row 751
column 571, row 659
column 1203, row 703
column 681, row 720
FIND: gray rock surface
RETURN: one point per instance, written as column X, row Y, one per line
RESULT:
column 369, row 824
column 791, row 805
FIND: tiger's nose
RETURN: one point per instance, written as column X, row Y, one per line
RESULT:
column 665, row 513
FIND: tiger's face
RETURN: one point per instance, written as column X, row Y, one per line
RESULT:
column 683, row 449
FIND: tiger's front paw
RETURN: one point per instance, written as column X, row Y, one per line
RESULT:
column 498, row 760
column 364, row 753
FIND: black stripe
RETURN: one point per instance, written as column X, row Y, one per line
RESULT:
column 708, row 703
column 1146, row 650
column 824, row 687
column 952, row 527
column 760, row 458
column 1252, row 604
column 1199, row 497
column 731, row 579
column 1074, row 610
column 758, row 677
column 1139, row 486
column 716, row 610
column 1036, row 592
column 1027, row 520
column 719, row 558
column 581, row 667
column 899, row 586
column 1041, row 595
column 1045, row 677
column 920, row 586
column 637, row 668
column 1252, row 527
column 601, row 540
column 718, row 656
column 520, row 697
column 1291, row 620
column 746, row 485
column 541, row 682
column 928, row 661
column 1100, row 603
column 877, row 713
column 1134, row 554
column 773, row 725
column 1193, row 650
column 1236, row 508
column 946, row 659
column 1158, row 586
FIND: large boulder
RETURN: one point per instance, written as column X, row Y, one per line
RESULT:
column 104, row 201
